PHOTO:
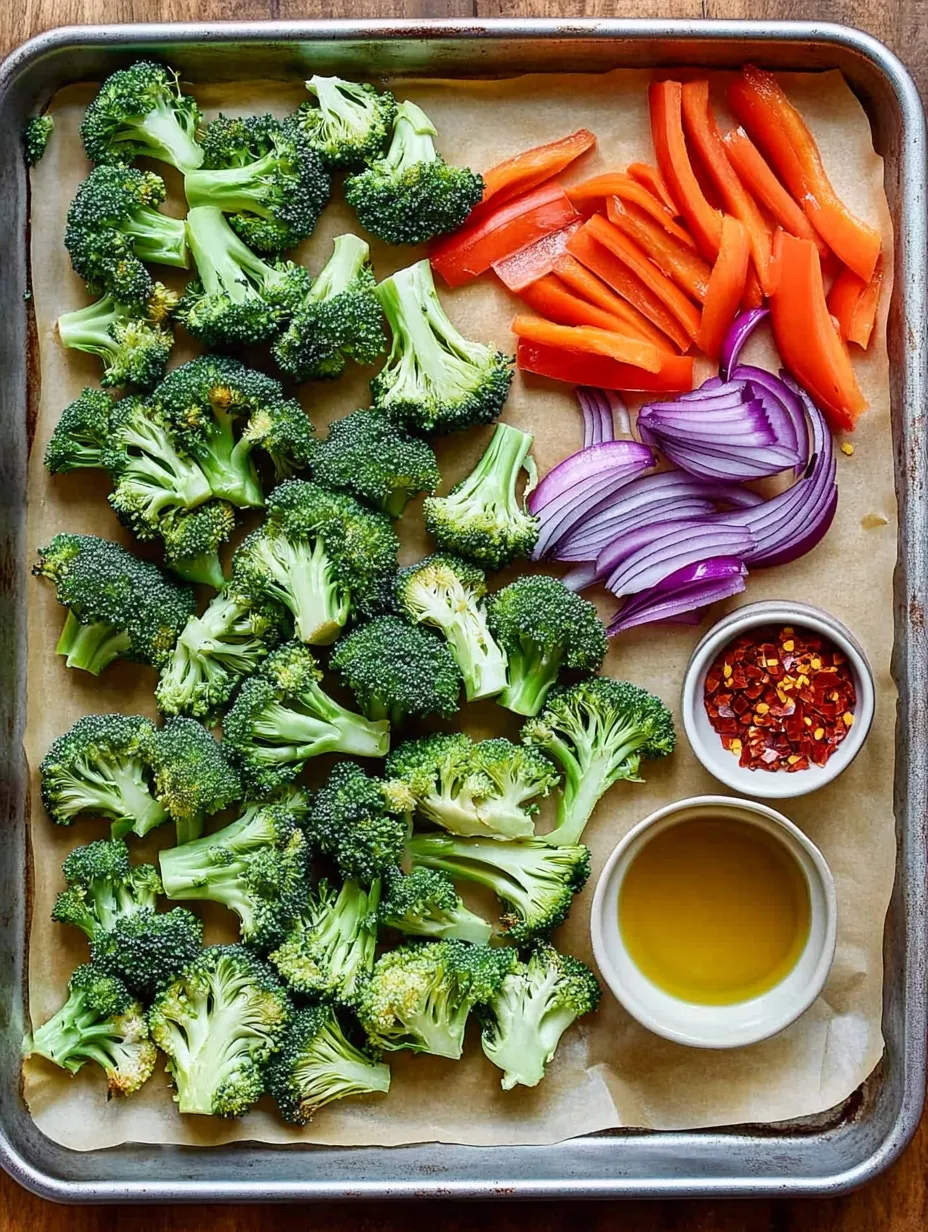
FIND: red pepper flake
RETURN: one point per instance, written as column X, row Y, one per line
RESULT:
column 780, row 699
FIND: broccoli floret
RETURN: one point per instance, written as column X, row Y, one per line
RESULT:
column 351, row 124
column 213, row 654
column 374, row 459
column 340, row 318
column 103, row 887
column 255, row 866
column 119, row 607
column 99, row 1022
column 282, row 717
column 331, row 946
column 321, row 554
column 194, row 776
column 352, row 821
column 148, row 948
column 434, row 380
column 141, row 112
column 598, row 731
column 36, row 134
column 317, row 1065
column 543, row 627
column 447, row 593
column 536, row 880
column 239, row 298
column 482, row 517
column 538, row 1000
column 81, row 438
column 421, row 994
column 134, row 347
column 411, row 194
column 397, row 671
column 265, row 174
column 207, row 399
column 219, row 1023
column 114, row 225
column 424, row 903
column 192, row 539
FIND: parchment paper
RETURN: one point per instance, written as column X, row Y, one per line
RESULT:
column 609, row 1071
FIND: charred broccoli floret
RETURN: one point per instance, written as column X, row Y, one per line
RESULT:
column 331, row 946
column 192, row 539
column 435, row 379
column 265, row 174
column 36, row 135
column 349, row 123
column 411, row 194
column 351, row 821
column 446, row 593
column 220, row 1022
column 424, row 903
column 194, row 776
column 119, row 607
column 133, row 344
column 598, row 732
column 536, row 1003
column 141, row 112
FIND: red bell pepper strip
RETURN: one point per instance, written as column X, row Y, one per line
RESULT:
column 615, row 274
column 527, row 170
column 702, row 219
column 637, row 261
column 683, row 266
column 529, row 264
column 759, row 180
column 780, row 131
column 553, row 300
column 579, row 279
column 653, row 181
column 842, row 299
column 865, row 309
column 618, row 184
column 726, row 285
column 576, row 368
column 703, row 133
column 590, row 341
column 809, row 345
column 513, row 226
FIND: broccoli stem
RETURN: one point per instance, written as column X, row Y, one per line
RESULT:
column 157, row 237
column 494, row 479
column 349, row 256
column 532, row 673
column 226, row 265
column 178, row 481
column 521, row 1043
column 586, row 778
column 341, row 99
column 412, row 139
column 69, row 1038
column 459, row 923
column 166, row 139
column 204, row 569
column 304, row 582
column 320, row 725
column 482, row 662
column 88, row 329
column 91, row 647
column 233, row 189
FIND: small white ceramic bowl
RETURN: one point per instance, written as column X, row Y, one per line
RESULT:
column 707, row 744
column 716, row 1026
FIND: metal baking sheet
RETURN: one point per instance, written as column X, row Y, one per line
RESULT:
column 822, row 1155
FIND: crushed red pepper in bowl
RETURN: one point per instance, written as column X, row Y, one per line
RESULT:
column 780, row 698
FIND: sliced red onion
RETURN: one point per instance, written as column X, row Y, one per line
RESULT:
column 697, row 587
column 672, row 546
column 597, row 416
column 781, row 400
column 581, row 576
column 739, row 332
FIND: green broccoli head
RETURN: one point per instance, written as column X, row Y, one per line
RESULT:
column 352, row 822
column 141, row 112
column 398, row 671
column 434, row 380
column 446, row 592
column 266, row 175
column 318, row 1064
column 98, row 1022
column 411, row 194
column 119, row 607
column 543, row 628
column 424, row 903
column 536, row 1003
column 219, row 1022
column 349, row 123
column 148, row 948
column 114, row 225
column 371, row 457
column 194, row 776
column 104, row 888
column 133, row 347
column 321, row 555
column 36, row 135
column 82, row 435
column 420, row 994
column 239, row 298
column 598, row 731
column 192, row 539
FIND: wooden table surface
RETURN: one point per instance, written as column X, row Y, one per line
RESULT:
column 897, row 1201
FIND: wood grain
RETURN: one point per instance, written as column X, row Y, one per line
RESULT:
column 897, row 1201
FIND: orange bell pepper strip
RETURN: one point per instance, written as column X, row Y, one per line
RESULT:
column 809, row 345
column 551, row 299
column 634, row 323
column 513, row 226
column 577, row 368
column 683, row 266
column 777, row 127
column 637, row 261
column 726, row 285
column 703, row 134
column 590, row 341
column 527, row 170
column 842, row 299
column 615, row 274
column 865, row 309
column 653, row 181
column 702, row 219
column 759, row 180
column 753, row 296
column 617, row 184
